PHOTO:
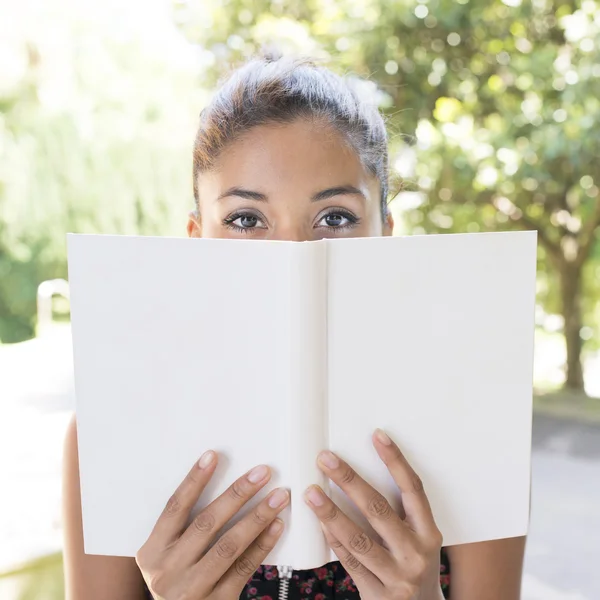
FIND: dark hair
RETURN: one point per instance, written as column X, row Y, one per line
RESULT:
column 281, row 90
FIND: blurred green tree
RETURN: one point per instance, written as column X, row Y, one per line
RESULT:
column 96, row 130
column 40, row 579
column 493, row 108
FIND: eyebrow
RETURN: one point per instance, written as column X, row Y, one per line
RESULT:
column 242, row 193
column 341, row 190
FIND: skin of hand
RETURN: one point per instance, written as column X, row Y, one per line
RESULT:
column 407, row 566
column 181, row 562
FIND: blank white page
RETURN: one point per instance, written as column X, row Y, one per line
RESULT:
column 179, row 346
column 431, row 339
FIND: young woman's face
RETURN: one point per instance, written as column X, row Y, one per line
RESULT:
column 295, row 182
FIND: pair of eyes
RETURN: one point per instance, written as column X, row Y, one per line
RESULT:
column 336, row 218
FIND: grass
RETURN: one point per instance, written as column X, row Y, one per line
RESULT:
column 567, row 404
column 40, row 579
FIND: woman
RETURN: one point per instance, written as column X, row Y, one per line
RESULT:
column 287, row 150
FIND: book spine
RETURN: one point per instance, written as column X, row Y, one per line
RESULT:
column 308, row 386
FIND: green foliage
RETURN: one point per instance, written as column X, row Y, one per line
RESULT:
column 94, row 140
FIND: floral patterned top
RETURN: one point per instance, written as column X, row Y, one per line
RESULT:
column 329, row 581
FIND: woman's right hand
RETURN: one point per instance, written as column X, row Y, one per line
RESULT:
column 176, row 561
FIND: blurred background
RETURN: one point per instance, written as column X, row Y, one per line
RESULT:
column 493, row 108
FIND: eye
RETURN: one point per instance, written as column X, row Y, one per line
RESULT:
column 244, row 221
column 337, row 219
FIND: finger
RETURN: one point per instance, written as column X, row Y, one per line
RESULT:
column 209, row 521
column 372, row 555
column 220, row 558
column 386, row 522
column 233, row 582
column 365, row 579
column 174, row 516
column 414, row 499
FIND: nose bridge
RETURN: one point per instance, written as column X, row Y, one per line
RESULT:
column 292, row 230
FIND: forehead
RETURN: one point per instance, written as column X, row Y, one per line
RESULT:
column 300, row 154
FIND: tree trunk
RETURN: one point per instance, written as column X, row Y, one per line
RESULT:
column 570, row 290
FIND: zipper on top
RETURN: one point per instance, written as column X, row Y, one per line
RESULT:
column 285, row 576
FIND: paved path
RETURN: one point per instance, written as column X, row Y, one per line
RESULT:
column 36, row 400
column 563, row 549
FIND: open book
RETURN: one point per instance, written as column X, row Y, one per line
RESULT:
column 270, row 351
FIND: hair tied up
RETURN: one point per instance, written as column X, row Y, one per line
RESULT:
column 274, row 88
column 270, row 53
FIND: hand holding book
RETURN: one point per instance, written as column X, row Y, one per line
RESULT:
column 406, row 564
column 190, row 558
column 187, row 560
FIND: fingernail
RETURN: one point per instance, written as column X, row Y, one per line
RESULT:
column 329, row 459
column 258, row 474
column 315, row 496
column 383, row 437
column 206, row 459
column 278, row 498
column 276, row 526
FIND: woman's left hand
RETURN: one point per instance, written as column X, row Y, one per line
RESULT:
column 408, row 567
